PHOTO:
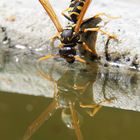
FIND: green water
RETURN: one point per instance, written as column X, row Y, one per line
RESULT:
column 17, row 112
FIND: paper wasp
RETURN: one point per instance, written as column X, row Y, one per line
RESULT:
column 82, row 34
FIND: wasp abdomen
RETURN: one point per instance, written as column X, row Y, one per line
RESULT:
column 75, row 12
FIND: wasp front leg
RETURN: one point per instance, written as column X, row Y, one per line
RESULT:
column 46, row 57
column 54, row 38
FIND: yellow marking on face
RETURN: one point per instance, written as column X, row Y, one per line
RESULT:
column 73, row 25
column 68, row 28
column 62, row 38
column 68, row 39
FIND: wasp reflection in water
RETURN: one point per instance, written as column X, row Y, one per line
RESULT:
column 73, row 90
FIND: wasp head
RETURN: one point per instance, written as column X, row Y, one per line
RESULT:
column 68, row 54
column 69, row 39
column 68, row 36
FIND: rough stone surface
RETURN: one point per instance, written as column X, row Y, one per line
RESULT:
column 120, row 85
column 27, row 24
column 27, row 34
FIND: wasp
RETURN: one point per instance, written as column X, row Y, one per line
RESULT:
column 82, row 35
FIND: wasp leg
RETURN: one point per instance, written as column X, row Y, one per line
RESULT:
column 81, row 88
column 80, row 18
column 107, row 55
column 85, row 46
column 48, row 77
column 113, row 36
column 53, row 38
column 108, row 16
column 95, row 108
column 47, row 6
column 102, row 31
column 45, row 76
column 45, row 115
column 46, row 57
column 79, row 59
column 75, row 122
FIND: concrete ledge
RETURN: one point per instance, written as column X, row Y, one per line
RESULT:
column 27, row 24
column 26, row 38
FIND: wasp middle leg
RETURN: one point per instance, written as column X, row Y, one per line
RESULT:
column 53, row 38
column 113, row 36
column 95, row 108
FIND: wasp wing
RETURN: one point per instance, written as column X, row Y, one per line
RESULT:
column 47, row 6
column 89, row 37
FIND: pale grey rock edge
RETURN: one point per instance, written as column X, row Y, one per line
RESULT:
column 31, row 28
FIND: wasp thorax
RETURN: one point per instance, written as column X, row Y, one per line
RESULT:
column 68, row 36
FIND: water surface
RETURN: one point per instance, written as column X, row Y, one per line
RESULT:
column 17, row 112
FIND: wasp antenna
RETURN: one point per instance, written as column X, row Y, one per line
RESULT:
column 81, row 16
column 47, row 6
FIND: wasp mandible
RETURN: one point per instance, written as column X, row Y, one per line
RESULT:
column 83, row 33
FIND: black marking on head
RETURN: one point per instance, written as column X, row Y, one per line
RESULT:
column 66, row 35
